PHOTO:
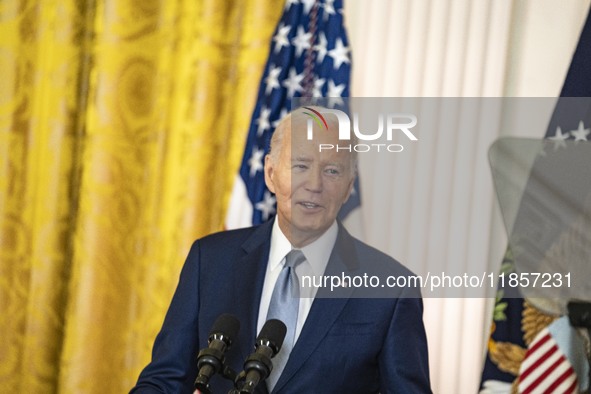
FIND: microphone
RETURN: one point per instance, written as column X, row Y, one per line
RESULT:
column 258, row 365
column 211, row 360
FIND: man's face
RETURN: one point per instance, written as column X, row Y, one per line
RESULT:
column 310, row 186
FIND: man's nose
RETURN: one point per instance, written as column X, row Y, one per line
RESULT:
column 314, row 181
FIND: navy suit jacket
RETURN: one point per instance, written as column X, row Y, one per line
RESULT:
column 347, row 344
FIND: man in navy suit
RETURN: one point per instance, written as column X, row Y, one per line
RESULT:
column 346, row 341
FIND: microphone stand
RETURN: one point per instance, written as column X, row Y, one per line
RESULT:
column 579, row 315
column 225, row 371
column 238, row 383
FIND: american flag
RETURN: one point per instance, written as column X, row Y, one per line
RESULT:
column 545, row 368
column 309, row 56
column 571, row 121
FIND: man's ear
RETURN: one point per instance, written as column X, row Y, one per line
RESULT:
column 269, row 171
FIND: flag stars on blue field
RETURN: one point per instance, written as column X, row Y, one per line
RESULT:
column 256, row 161
column 293, row 83
column 318, row 83
column 308, row 4
column 339, row 54
column 581, row 133
column 301, row 41
column 559, row 138
column 289, row 3
column 578, row 134
column 328, row 9
column 272, row 80
column 282, row 115
column 263, row 121
column 280, row 38
column 266, row 205
column 335, row 92
column 321, row 47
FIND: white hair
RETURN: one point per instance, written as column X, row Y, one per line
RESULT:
column 285, row 123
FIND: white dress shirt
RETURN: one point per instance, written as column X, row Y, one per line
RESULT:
column 317, row 255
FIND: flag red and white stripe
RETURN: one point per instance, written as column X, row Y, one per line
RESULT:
column 546, row 369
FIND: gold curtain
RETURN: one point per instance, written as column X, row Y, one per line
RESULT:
column 122, row 124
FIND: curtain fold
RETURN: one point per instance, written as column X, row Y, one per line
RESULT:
column 40, row 64
column 122, row 125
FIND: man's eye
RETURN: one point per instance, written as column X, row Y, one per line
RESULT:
column 300, row 166
column 332, row 171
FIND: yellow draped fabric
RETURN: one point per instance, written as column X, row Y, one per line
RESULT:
column 122, row 124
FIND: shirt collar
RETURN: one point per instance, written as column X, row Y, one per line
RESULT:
column 317, row 253
column 280, row 246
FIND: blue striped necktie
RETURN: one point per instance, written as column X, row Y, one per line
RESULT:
column 284, row 305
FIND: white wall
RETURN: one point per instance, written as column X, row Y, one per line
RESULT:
column 448, row 48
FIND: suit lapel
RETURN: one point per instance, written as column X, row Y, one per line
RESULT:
column 247, row 284
column 325, row 309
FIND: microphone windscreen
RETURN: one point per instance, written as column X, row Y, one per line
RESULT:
column 227, row 325
column 273, row 331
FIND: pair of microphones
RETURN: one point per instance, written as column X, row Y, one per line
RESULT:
column 258, row 365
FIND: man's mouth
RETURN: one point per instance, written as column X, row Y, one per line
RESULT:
column 310, row 205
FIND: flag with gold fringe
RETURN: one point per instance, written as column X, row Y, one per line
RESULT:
column 309, row 56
